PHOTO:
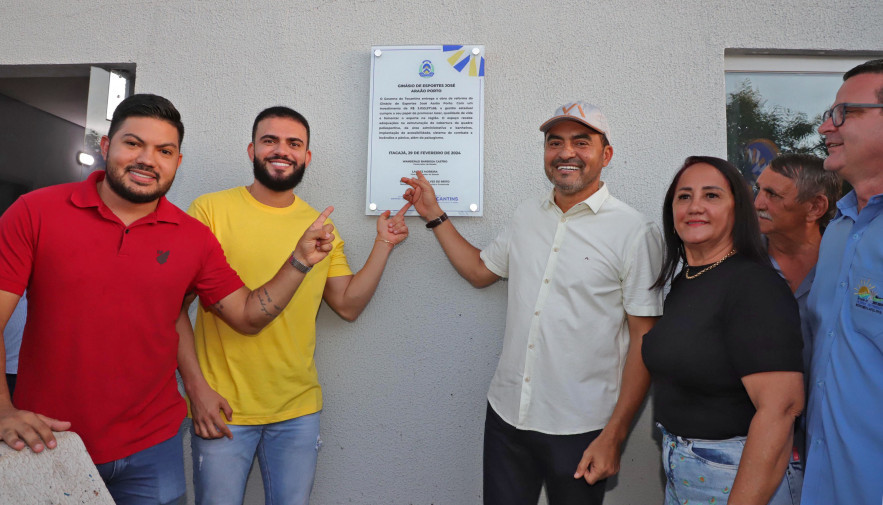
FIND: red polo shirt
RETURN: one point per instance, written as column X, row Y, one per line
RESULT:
column 99, row 347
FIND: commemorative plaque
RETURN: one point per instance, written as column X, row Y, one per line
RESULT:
column 427, row 114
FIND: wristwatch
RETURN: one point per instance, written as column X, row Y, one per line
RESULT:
column 437, row 221
column 298, row 265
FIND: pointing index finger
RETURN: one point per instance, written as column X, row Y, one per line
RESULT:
column 324, row 215
column 404, row 209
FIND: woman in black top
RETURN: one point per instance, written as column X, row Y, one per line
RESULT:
column 725, row 358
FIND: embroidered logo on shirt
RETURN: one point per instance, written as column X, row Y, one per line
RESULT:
column 866, row 297
column 162, row 256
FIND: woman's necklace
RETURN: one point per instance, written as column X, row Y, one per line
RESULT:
column 709, row 267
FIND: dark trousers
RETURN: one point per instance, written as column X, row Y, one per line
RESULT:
column 518, row 462
column 10, row 383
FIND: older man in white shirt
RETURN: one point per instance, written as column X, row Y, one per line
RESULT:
column 580, row 264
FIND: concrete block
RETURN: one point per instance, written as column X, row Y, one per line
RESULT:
column 62, row 476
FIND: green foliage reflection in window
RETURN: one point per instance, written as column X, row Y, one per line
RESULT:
column 771, row 113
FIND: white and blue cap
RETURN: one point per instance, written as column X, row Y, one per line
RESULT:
column 581, row 112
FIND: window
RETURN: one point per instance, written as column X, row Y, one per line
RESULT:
column 775, row 104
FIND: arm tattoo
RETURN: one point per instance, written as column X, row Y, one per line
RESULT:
column 265, row 301
column 270, row 300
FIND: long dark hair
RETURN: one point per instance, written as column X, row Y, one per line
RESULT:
column 746, row 231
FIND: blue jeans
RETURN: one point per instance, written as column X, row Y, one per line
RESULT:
column 149, row 477
column 703, row 471
column 287, row 452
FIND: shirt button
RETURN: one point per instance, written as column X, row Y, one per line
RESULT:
column 546, row 281
column 127, row 231
column 536, row 313
column 556, row 249
column 563, row 219
column 842, row 284
column 530, row 346
column 855, row 237
column 527, row 379
column 830, row 333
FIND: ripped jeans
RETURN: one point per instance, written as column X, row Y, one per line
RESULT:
column 703, row 471
column 287, row 452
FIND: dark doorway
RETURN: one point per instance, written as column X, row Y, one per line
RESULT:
column 49, row 114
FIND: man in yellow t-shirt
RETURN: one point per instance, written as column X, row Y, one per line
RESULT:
column 270, row 379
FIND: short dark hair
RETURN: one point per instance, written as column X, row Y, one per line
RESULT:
column 281, row 111
column 604, row 141
column 809, row 175
column 146, row 105
column 746, row 231
column 868, row 67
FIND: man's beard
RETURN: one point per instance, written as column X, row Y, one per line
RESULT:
column 572, row 187
column 116, row 181
column 287, row 183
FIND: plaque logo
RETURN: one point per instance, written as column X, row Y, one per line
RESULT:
column 426, row 69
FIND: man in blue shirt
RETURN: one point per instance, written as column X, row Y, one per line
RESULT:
column 795, row 200
column 845, row 409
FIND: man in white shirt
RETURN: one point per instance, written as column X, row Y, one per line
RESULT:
column 580, row 264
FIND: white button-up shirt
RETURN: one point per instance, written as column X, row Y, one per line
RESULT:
column 573, row 277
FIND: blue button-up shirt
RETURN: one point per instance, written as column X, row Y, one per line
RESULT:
column 802, row 297
column 845, row 409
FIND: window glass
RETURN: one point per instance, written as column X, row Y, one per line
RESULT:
column 773, row 112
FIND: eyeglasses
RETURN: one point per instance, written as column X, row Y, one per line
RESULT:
column 837, row 113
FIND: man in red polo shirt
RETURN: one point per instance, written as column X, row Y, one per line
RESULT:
column 107, row 263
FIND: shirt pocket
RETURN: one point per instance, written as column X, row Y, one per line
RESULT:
column 866, row 304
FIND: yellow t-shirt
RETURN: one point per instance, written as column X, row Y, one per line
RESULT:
column 271, row 376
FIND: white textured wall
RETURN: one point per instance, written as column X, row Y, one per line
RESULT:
column 405, row 385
